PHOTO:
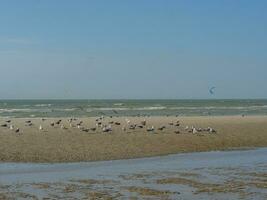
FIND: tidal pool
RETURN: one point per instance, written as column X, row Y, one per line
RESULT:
column 240, row 174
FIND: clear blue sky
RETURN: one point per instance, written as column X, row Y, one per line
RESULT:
column 133, row 49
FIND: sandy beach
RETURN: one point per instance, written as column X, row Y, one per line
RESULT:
column 54, row 144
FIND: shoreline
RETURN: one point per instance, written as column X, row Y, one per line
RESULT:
column 238, row 149
column 54, row 145
column 136, row 116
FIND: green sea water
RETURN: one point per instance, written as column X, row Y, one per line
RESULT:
column 84, row 108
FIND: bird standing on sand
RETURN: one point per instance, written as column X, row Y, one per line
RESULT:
column 63, row 127
column 127, row 121
column 150, row 129
column 107, row 128
column 161, row 128
column 40, row 127
column 93, row 129
column 211, row 130
column 143, row 122
column 58, row 122
column 17, row 130
column 132, row 127
column 11, row 127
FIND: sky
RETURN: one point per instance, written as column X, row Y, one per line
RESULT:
column 133, row 49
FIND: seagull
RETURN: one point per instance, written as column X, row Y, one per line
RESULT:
column 177, row 124
column 17, row 130
column 58, row 122
column 107, row 129
column 161, row 128
column 143, row 122
column 211, row 130
column 62, row 126
column 132, row 127
column 150, row 129
column 8, row 121
column 86, row 130
column 127, row 121
column 11, row 127
column 4, row 125
column 40, row 127
column 80, row 123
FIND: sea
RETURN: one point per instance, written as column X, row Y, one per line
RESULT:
column 91, row 108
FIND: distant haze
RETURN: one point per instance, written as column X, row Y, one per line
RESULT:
column 133, row 49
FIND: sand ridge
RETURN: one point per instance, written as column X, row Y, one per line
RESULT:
column 54, row 144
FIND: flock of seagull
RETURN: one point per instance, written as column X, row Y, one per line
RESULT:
column 107, row 127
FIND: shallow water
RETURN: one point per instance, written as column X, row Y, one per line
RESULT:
column 241, row 174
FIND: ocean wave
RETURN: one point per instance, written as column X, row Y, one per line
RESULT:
column 40, row 109
column 219, row 108
column 23, row 110
column 33, row 110
column 15, row 110
column 153, row 108
column 66, row 109
column 118, row 104
column 43, row 105
column 178, row 108
column 126, row 108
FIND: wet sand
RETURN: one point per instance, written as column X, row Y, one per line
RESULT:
column 54, row 144
column 194, row 176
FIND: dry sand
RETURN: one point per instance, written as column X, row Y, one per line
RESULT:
column 54, row 144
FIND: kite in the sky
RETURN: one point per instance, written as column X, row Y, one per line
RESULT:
column 211, row 90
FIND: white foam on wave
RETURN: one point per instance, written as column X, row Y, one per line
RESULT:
column 23, row 110
column 118, row 104
column 219, row 108
column 43, row 105
column 126, row 108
